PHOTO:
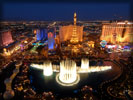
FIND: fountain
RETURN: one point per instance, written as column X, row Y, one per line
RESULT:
column 47, row 68
column 67, row 71
column 84, row 63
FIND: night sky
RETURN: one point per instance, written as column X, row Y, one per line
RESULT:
column 64, row 11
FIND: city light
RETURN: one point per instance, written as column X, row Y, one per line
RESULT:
column 51, row 57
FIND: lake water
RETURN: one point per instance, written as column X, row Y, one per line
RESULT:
column 43, row 83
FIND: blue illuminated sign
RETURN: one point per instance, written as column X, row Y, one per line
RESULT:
column 103, row 43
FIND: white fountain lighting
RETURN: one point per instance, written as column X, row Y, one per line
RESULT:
column 68, row 74
column 84, row 63
column 99, row 68
column 106, row 67
column 67, row 71
column 37, row 66
column 47, row 68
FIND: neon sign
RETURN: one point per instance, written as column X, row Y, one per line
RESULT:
column 103, row 43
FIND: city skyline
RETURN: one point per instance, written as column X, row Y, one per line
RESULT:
column 64, row 61
column 63, row 11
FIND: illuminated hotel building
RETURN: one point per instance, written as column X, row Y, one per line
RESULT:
column 10, row 49
column 5, row 38
column 52, row 30
column 41, row 34
column 51, row 40
column 72, row 33
column 117, row 32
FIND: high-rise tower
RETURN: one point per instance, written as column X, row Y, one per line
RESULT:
column 74, row 38
column 51, row 40
column 41, row 34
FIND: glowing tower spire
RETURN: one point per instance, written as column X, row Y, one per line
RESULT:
column 74, row 38
column 75, row 18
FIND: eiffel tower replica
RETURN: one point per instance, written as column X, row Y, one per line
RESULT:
column 74, row 38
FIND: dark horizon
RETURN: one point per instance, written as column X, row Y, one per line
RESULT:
column 64, row 11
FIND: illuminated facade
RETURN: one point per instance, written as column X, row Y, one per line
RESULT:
column 52, row 30
column 34, row 31
column 57, row 42
column 5, row 38
column 8, row 50
column 51, row 40
column 118, row 32
column 41, row 34
column 72, row 33
column 91, row 44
